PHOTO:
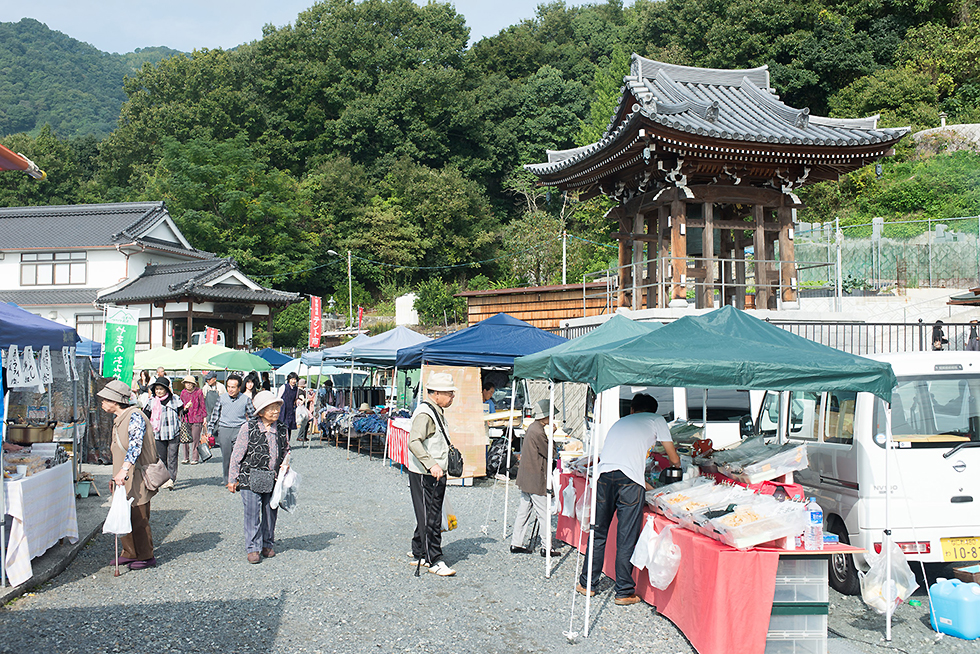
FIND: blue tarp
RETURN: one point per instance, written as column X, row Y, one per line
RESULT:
column 274, row 357
column 381, row 350
column 21, row 328
column 88, row 348
column 495, row 341
column 338, row 353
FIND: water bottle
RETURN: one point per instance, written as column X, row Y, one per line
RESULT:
column 813, row 535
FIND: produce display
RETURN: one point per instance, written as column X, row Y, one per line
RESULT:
column 36, row 459
column 754, row 461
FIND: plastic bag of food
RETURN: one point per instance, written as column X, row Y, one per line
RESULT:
column 568, row 500
column 119, row 519
column 449, row 521
column 643, row 552
column 583, row 508
column 665, row 562
column 875, row 590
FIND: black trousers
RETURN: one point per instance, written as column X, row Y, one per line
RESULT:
column 427, row 496
column 616, row 494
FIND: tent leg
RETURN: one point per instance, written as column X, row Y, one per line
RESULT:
column 549, row 485
column 887, row 540
column 3, row 499
column 592, row 504
column 510, row 442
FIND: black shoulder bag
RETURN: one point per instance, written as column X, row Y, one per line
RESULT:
column 455, row 467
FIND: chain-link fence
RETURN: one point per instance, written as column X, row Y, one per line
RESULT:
column 907, row 254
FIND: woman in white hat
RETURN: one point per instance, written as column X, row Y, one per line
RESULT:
column 260, row 451
column 532, row 480
column 132, row 449
column 428, row 447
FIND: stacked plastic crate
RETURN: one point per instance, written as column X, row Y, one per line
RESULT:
column 798, row 624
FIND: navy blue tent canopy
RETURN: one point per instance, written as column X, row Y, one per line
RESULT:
column 496, row 341
column 22, row 328
column 274, row 357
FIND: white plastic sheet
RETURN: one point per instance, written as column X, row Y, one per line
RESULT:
column 568, row 500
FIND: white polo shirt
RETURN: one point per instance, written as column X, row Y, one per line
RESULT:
column 628, row 441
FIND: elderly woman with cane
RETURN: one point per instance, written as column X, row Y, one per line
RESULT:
column 260, row 451
column 132, row 449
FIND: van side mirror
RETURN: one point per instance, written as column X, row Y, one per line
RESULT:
column 745, row 427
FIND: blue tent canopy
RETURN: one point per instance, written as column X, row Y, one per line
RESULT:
column 381, row 350
column 21, row 328
column 495, row 341
column 340, row 352
column 88, row 348
column 274, row 357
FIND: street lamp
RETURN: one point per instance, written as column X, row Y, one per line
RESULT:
column 350, row 284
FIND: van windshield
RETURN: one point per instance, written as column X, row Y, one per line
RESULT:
column 933, row 411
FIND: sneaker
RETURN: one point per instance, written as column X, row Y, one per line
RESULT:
column 514, row 549
column 626, row 601
column 415, row 563
column 441, row 569
column 194, row 463
column 185, row 462
column 554, row 552
column 169, row 484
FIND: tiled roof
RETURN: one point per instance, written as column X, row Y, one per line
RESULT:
column 727, row 105
column 188, row 279
column 50, row 297
column 84, row 225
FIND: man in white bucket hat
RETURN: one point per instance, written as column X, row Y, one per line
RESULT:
column 428, row 458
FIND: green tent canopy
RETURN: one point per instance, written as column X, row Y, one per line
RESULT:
column 614, row 331
column 726, row 348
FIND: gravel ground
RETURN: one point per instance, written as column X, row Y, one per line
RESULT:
column 342, row 582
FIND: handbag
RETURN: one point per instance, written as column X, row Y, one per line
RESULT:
column 261, row 481
column 203, row 452
column 155, row 475
column 185, row 432
column 454, row 468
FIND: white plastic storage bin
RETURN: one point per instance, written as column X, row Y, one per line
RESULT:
column 807, row 645
column 801, row 589
column 793, row 626
column 809, row 566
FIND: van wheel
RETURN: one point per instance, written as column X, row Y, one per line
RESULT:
column 843, row 575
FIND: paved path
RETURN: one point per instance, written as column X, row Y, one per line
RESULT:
column 341, row 581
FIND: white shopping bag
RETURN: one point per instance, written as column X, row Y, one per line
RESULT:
column 568, row 500
column 118, row 521
column 665, row 560
column 645, row 545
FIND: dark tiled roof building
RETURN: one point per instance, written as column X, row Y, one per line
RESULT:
column 716, row 151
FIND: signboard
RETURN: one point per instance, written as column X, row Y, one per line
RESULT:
column 211, row 335
column 119, row 348
column 360, row 316
column 316, row 320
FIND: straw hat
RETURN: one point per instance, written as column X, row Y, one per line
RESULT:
column 263, row 399
column 440, row 381
column 542, row 409
column 364, row 408
column 115, row 391
column 190, row 378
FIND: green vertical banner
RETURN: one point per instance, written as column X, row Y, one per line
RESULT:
column 119, row 348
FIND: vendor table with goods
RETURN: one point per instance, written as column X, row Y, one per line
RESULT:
column 42, row 506
column 726, row 599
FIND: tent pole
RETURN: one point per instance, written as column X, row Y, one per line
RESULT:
column 886, row 542
column 350, row 424
column 592, row 469
column 3, row 499
column 510, row 442
column 551, row 447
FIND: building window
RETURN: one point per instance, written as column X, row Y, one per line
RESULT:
column 52, row 268
column 143, row 331
column 90, row 326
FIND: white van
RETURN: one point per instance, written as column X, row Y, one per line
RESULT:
column 934, row 472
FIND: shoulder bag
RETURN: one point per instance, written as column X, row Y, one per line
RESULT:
column 455, row 465
column 156, row 474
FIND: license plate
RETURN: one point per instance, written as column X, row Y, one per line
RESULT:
column 960, row 549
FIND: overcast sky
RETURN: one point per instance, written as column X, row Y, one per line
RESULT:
column 124, row 25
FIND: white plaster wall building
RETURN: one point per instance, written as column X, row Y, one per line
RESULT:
column 66, row 263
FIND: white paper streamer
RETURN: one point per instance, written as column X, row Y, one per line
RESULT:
column 45, row 365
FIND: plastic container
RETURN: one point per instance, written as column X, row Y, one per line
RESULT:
column 812, row 644
column 802, row 589
column 809, row 566
column 82, row 488
column 783, row 627
column 956, row 608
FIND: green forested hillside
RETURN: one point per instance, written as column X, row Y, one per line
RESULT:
column 373, row 126
column 48, row 78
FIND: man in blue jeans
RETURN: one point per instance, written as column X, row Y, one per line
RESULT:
column 620, row 491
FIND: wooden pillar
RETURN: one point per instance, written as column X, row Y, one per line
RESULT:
column 772, row 276
column 739, row 270
column 624, row 259
column 678, row 253
column 653, row 251
column 190, row 320
column 636, row 272
column 663, row 255
column 726, row 277
column 759, row 243
column 787, row 256
column 708, row 255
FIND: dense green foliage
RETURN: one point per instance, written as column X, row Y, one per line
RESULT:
column 373, row 127
column 49, row 78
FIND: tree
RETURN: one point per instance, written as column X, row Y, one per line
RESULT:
column 606, row 91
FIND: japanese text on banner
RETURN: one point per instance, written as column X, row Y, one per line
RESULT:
column 316, row 321
column 119, row 348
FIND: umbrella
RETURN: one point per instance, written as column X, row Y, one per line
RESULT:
column 197, row 357
column 158, row 356
column 240, row 360
column 275, row 357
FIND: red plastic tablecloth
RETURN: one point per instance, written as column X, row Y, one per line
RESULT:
column 721, row 598
column 397, row 441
